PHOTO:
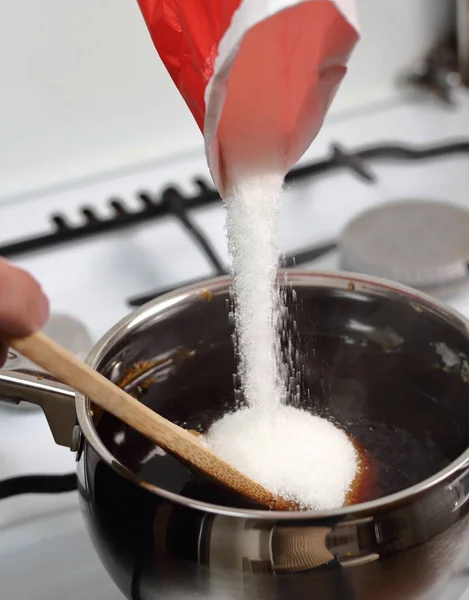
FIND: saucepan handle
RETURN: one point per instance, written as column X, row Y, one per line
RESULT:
column 23, row 381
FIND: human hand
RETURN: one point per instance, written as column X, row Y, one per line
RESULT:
column 24, row 308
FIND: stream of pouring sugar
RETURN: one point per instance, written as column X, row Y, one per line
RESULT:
column 253, row 202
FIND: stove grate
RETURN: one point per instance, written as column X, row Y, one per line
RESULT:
column 154, row 207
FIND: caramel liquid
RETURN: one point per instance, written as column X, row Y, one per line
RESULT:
column 390, row 460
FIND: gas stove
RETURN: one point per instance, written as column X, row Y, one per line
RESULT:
column 102, row 247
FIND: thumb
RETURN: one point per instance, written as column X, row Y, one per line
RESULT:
column 24, row 308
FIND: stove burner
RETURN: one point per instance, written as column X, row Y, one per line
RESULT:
column 70, row 333
column 424, row 244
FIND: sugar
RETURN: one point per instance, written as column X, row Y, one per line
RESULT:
column 292, row 453
column 253, row 202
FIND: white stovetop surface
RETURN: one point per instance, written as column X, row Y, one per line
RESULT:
column 90, row 280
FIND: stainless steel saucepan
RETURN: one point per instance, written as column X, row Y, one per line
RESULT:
column 387, row 363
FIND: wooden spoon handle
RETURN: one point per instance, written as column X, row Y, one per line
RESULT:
column 78, row 375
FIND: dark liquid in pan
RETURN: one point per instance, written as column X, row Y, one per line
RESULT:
column 401, row 404
column 393, row 458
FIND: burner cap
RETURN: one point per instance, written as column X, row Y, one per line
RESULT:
column 418, row 243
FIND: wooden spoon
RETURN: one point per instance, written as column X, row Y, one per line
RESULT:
column 79, row 376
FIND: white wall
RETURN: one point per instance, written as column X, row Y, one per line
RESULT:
column 82, row 89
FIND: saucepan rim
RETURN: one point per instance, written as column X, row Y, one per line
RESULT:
column 354, row 283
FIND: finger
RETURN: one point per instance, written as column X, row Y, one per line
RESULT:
column 23, row 306
column 3, row 354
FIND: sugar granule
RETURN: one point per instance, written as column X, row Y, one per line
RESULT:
column 292, row 453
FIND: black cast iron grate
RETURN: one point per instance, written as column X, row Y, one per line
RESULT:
column 172, row 202
column 357, row 162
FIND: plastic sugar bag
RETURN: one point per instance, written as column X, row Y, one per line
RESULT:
column 254, row 70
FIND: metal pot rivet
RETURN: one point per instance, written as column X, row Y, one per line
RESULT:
column 76, row 438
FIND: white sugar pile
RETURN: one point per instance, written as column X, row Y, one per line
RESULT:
column 292, row 453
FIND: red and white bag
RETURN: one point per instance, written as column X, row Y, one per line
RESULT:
column 251, row 70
